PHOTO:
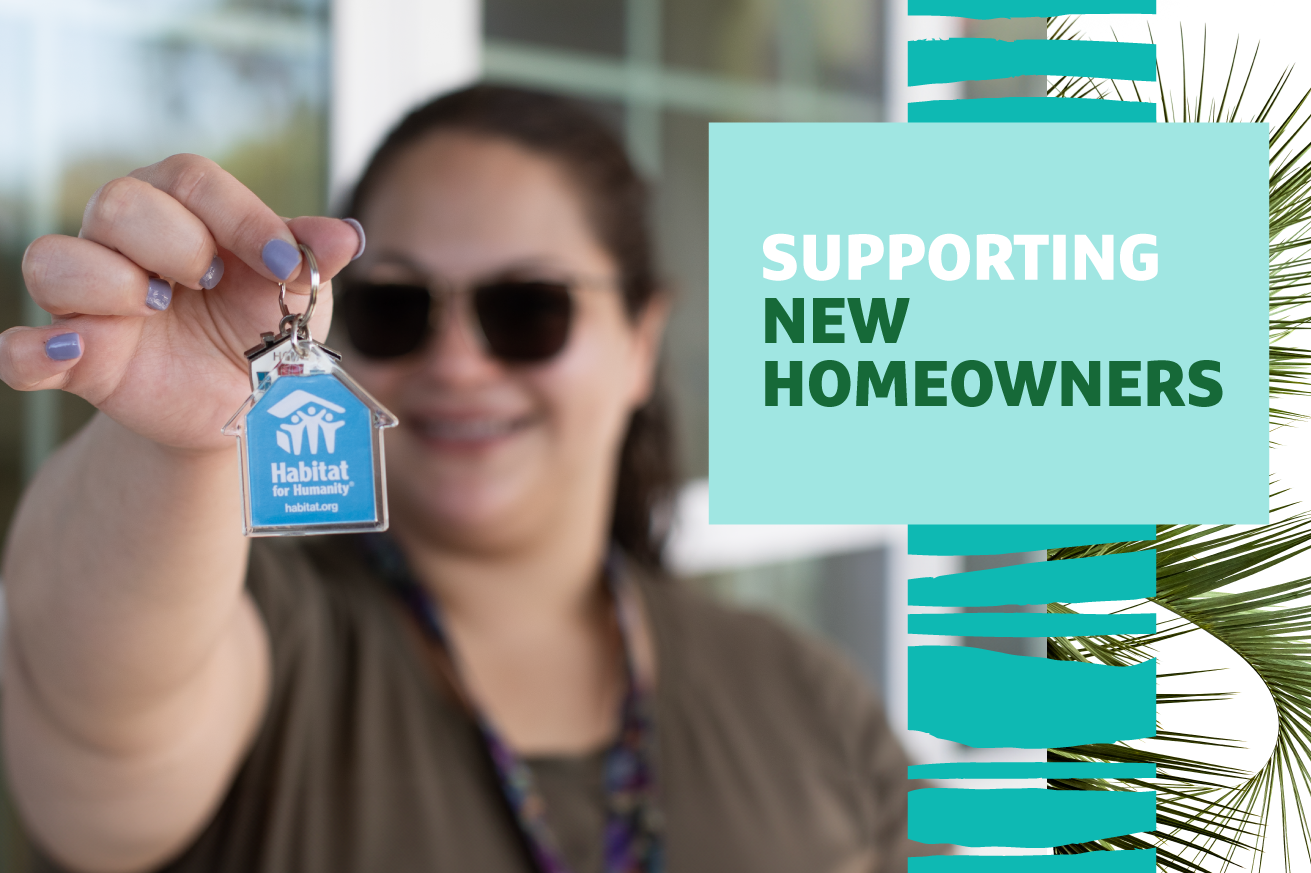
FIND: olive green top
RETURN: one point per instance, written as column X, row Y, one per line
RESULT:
column 772, row 754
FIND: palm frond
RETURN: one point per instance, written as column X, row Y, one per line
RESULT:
column 1212, row 579
column 1207, row 811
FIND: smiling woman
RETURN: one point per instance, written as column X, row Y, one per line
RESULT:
column 506, row 681
column 517, row 272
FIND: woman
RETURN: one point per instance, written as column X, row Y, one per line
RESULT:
column 503, row 682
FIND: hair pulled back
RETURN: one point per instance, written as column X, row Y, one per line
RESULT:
column 617, row 201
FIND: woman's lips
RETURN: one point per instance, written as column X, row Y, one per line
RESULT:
column 466, row 431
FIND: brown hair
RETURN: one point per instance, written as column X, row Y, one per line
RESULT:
column 617, row 201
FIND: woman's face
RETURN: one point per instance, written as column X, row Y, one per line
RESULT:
column 487, row 453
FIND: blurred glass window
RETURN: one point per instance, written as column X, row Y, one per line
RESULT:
column 92, row 90
column 663, row 69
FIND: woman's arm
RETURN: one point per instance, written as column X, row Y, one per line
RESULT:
column 136, row 669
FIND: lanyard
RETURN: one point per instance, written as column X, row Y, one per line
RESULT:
column 633, row 835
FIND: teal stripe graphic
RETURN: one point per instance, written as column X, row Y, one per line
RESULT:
column 1127, row 576
column 1029, row 624
column 1027, row 817
column 989, row 699
column 959, row 60
column 1031, row 109
column 1030, row 8
column 1131, row 861
column 1001, row 539
column 1032, row 770
column 993, row 700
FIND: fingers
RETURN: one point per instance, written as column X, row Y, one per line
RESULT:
column 153, row 230
column 34, row 358
column 175, row 217
column 237, row 219
column 334, row 243
column 67, row 275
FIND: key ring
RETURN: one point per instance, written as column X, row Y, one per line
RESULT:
column 299, row 325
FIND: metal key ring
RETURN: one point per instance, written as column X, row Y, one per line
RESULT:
column 303, row 320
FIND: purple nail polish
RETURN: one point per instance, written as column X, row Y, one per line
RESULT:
column 213, row 274
column 158, row 294
column 360, row 230
column 281, row 257
column 64, row 347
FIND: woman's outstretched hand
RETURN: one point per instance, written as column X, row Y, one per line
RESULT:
column 172, row 277
column 144, row 665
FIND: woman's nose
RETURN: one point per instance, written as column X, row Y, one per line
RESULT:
column 456, row 354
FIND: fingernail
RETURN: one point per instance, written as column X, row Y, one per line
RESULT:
column 158, row 294
column 64, row 347
column 281, row 257
column 360, row 230
column 213, row 274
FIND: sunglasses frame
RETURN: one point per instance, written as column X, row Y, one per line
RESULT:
column 441, row 292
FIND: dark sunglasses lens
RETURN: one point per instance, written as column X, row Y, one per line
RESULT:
column 524, row 321
column 385, row 321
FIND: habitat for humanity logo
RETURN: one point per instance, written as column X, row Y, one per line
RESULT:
column 311, row 417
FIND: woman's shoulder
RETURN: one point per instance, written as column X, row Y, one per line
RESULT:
column 751, row 709
column 753, row 661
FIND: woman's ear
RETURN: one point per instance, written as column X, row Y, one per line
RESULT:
column 648, row 331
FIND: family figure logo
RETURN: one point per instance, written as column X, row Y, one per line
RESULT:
column 310, row 417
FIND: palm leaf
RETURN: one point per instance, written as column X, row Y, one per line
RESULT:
column 1211, row 817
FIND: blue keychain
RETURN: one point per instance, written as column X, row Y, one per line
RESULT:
column 309, row 437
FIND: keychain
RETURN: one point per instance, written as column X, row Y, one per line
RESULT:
column 309, row 437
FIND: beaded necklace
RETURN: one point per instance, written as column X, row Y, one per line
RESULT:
column 633, row 839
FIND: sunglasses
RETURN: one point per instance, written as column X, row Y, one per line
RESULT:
column 521, row 320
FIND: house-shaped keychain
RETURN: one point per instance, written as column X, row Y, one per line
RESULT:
column 310, row 440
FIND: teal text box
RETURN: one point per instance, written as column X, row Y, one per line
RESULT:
column 994, row 462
